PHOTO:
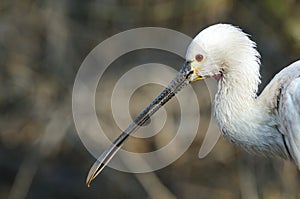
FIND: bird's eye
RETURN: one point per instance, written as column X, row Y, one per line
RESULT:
column 199, row 57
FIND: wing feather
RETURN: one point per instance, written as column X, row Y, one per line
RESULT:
column 289, row 113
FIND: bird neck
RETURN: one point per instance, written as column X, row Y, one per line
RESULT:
column 235, row 105
column 240, row 115
column 237, row 90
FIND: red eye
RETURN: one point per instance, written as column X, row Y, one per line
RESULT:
column 199, row 57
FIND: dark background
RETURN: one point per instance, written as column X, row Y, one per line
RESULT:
column 42, row 44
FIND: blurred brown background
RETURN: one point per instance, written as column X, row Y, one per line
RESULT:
column 42, row 44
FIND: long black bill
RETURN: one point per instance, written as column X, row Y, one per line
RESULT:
column 179, row 82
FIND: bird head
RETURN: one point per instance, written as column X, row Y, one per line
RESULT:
column 201, row 63
column 219, row 50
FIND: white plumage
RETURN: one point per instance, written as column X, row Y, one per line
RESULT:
column 268, row 124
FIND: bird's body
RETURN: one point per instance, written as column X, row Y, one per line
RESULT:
column 267, row 124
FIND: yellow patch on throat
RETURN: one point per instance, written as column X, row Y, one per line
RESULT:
column 197, row 78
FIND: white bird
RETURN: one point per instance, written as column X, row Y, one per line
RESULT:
column 268, row 124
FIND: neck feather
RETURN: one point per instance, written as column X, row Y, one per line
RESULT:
column 235, row 100
column 240, row 116
column 237, row 88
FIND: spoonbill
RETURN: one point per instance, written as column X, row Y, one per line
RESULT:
column 268, row 124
